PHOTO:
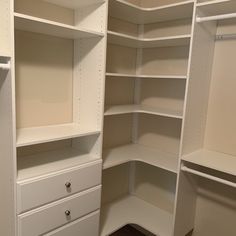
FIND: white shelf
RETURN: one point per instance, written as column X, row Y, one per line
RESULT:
column 213, row 160
column 74, row 4
column 146, row 76
column 38, row 25
column 135, row 152
column 50, row 162
column 44, row 134
column 126, row 109
column 135, row 42
column 132, row 210
column 129, row 12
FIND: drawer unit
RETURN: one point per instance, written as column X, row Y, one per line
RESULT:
column 54, row 215
column 39, row 191
column 86, row 226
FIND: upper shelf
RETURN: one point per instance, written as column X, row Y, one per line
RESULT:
column 138, row 15
column 126, row 109
column 213, row 160
column 39, row 25
column 74, row 4
column 44, row 134
column 216, row 10
column 135, row 42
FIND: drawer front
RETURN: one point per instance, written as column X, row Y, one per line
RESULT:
column 86, row 226
column 55, row 215
column 40, row 191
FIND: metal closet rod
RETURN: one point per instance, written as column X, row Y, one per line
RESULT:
column 225, row 36
column 207, row 176
column 218, row 17
column 5, row 66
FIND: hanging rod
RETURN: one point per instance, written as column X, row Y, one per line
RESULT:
column 207, row 176
column 218, row 17
column 5, row 66
column 225, row 36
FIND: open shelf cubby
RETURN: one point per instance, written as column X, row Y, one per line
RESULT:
column 149, row 206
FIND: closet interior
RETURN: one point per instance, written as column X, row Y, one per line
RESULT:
column 117, row 112
column 146, row 77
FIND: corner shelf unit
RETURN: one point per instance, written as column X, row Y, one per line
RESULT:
column 135, row 42
column 140, row 15
column 132, row 210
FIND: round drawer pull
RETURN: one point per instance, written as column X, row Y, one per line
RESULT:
column 67, row 213
column 68, row 184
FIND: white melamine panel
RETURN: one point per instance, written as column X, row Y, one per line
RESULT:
column 135, row 152
column 126, row 109
column 132, row 210
column 53, row 215
column 139, row 15
column 87, row 226
column 136, row 42
column 5, row 29
column 36, row 135
column 146, row 76
column 33, row 192
column 214, row 160
column 39, row 25
column 74, row 4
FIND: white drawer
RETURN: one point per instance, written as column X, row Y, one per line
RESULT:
column 86, row 226
column 39, row 191
column 47, row 218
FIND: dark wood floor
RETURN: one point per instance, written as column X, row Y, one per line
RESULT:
column 127, row 231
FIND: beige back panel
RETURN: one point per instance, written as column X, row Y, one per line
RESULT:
column 159, row 132
column 155, row 186
column 43, row 63
column 42, row 9
column 221, row 126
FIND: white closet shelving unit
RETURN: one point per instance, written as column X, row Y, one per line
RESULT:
column 147, row 71
column 157, row 153
column 52, row 115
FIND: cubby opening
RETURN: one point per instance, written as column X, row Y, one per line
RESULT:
column 146, row 138
column 41, row 159
column 135, row 192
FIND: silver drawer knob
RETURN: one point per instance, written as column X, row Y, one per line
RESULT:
column 67, row 213
column 68, row 184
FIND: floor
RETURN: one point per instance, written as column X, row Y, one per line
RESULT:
column 127, row 231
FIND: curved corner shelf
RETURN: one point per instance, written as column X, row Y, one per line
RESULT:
column 122, row 75
column 136, row 152
column 213, row 160
column 132, row 210
column 74, row 4
column 135, row 42
column 39, row 25
column 127, row 109
column 139, row 15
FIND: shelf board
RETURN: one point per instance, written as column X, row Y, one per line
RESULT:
column 122, row 75
column 44, row 134
column 132, row 210
column 50, row 162
column 135, row 42
column 136, row 152
column 127, row 109
column 213, row 160
column 217, row 7
column 74, row 4
column 138, row 15
column 42, row 26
